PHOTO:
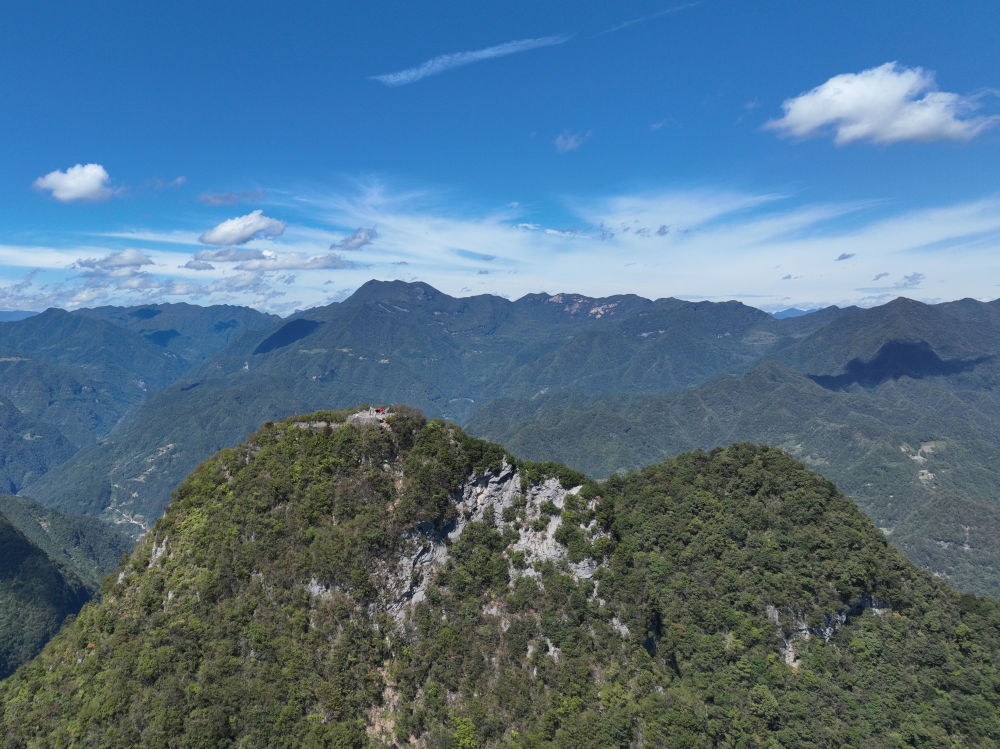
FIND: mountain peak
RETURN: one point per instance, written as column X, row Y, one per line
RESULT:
column 395, row 291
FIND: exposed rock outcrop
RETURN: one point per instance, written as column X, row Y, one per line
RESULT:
column 485, row 497
column 798, row 630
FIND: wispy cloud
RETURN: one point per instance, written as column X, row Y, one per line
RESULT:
column 230, row 197
column 567, row 141
column 228, row 255
column 156, row 183
column 444, row 63
column 175, row 237
column 887, row 104
column 357, row 240
column 649, row 17
column 130, row 258
column 298, row 261
column 904, row 283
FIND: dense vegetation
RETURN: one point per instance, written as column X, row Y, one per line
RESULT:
column 191, row 332
column 91, row 548
column 51, row 564
column 36, row 595
column 66, row 381
column 671, row 609
column 28, row 448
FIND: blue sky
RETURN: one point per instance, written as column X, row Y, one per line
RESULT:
column 780, row 153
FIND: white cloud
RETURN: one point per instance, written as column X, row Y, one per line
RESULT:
column 357, row 240
column 443, row 63
column 198, row 265
column 887, row 104
column 130, row 258
column 82, row 182
column 567, row 141
column 242, row 229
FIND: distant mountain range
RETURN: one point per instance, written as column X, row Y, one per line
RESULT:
column 398, row 342
column 896, row 403
column 792, row 312
column 11, row 315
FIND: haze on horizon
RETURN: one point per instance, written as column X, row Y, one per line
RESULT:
column 785, row 156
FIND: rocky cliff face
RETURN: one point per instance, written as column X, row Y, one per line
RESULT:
column 498, row 499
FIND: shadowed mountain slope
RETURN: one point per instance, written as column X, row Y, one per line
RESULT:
column 190, row 331
column 36, row 594
column 28, row 448
column 86, row 545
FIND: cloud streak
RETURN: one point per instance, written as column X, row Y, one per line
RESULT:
column 230, row 197
column 650, row 17
column 652, row 243
column 228, row 255
column 298, row 261
column 444, row 63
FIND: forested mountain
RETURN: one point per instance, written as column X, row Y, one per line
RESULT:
column 78, row 374
column 81, row 371
column 28, row 448
column 67, row 379
column 36, row 595
column 354, row 580
column 51, row 564
column 193, row 333
column 89, row 547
